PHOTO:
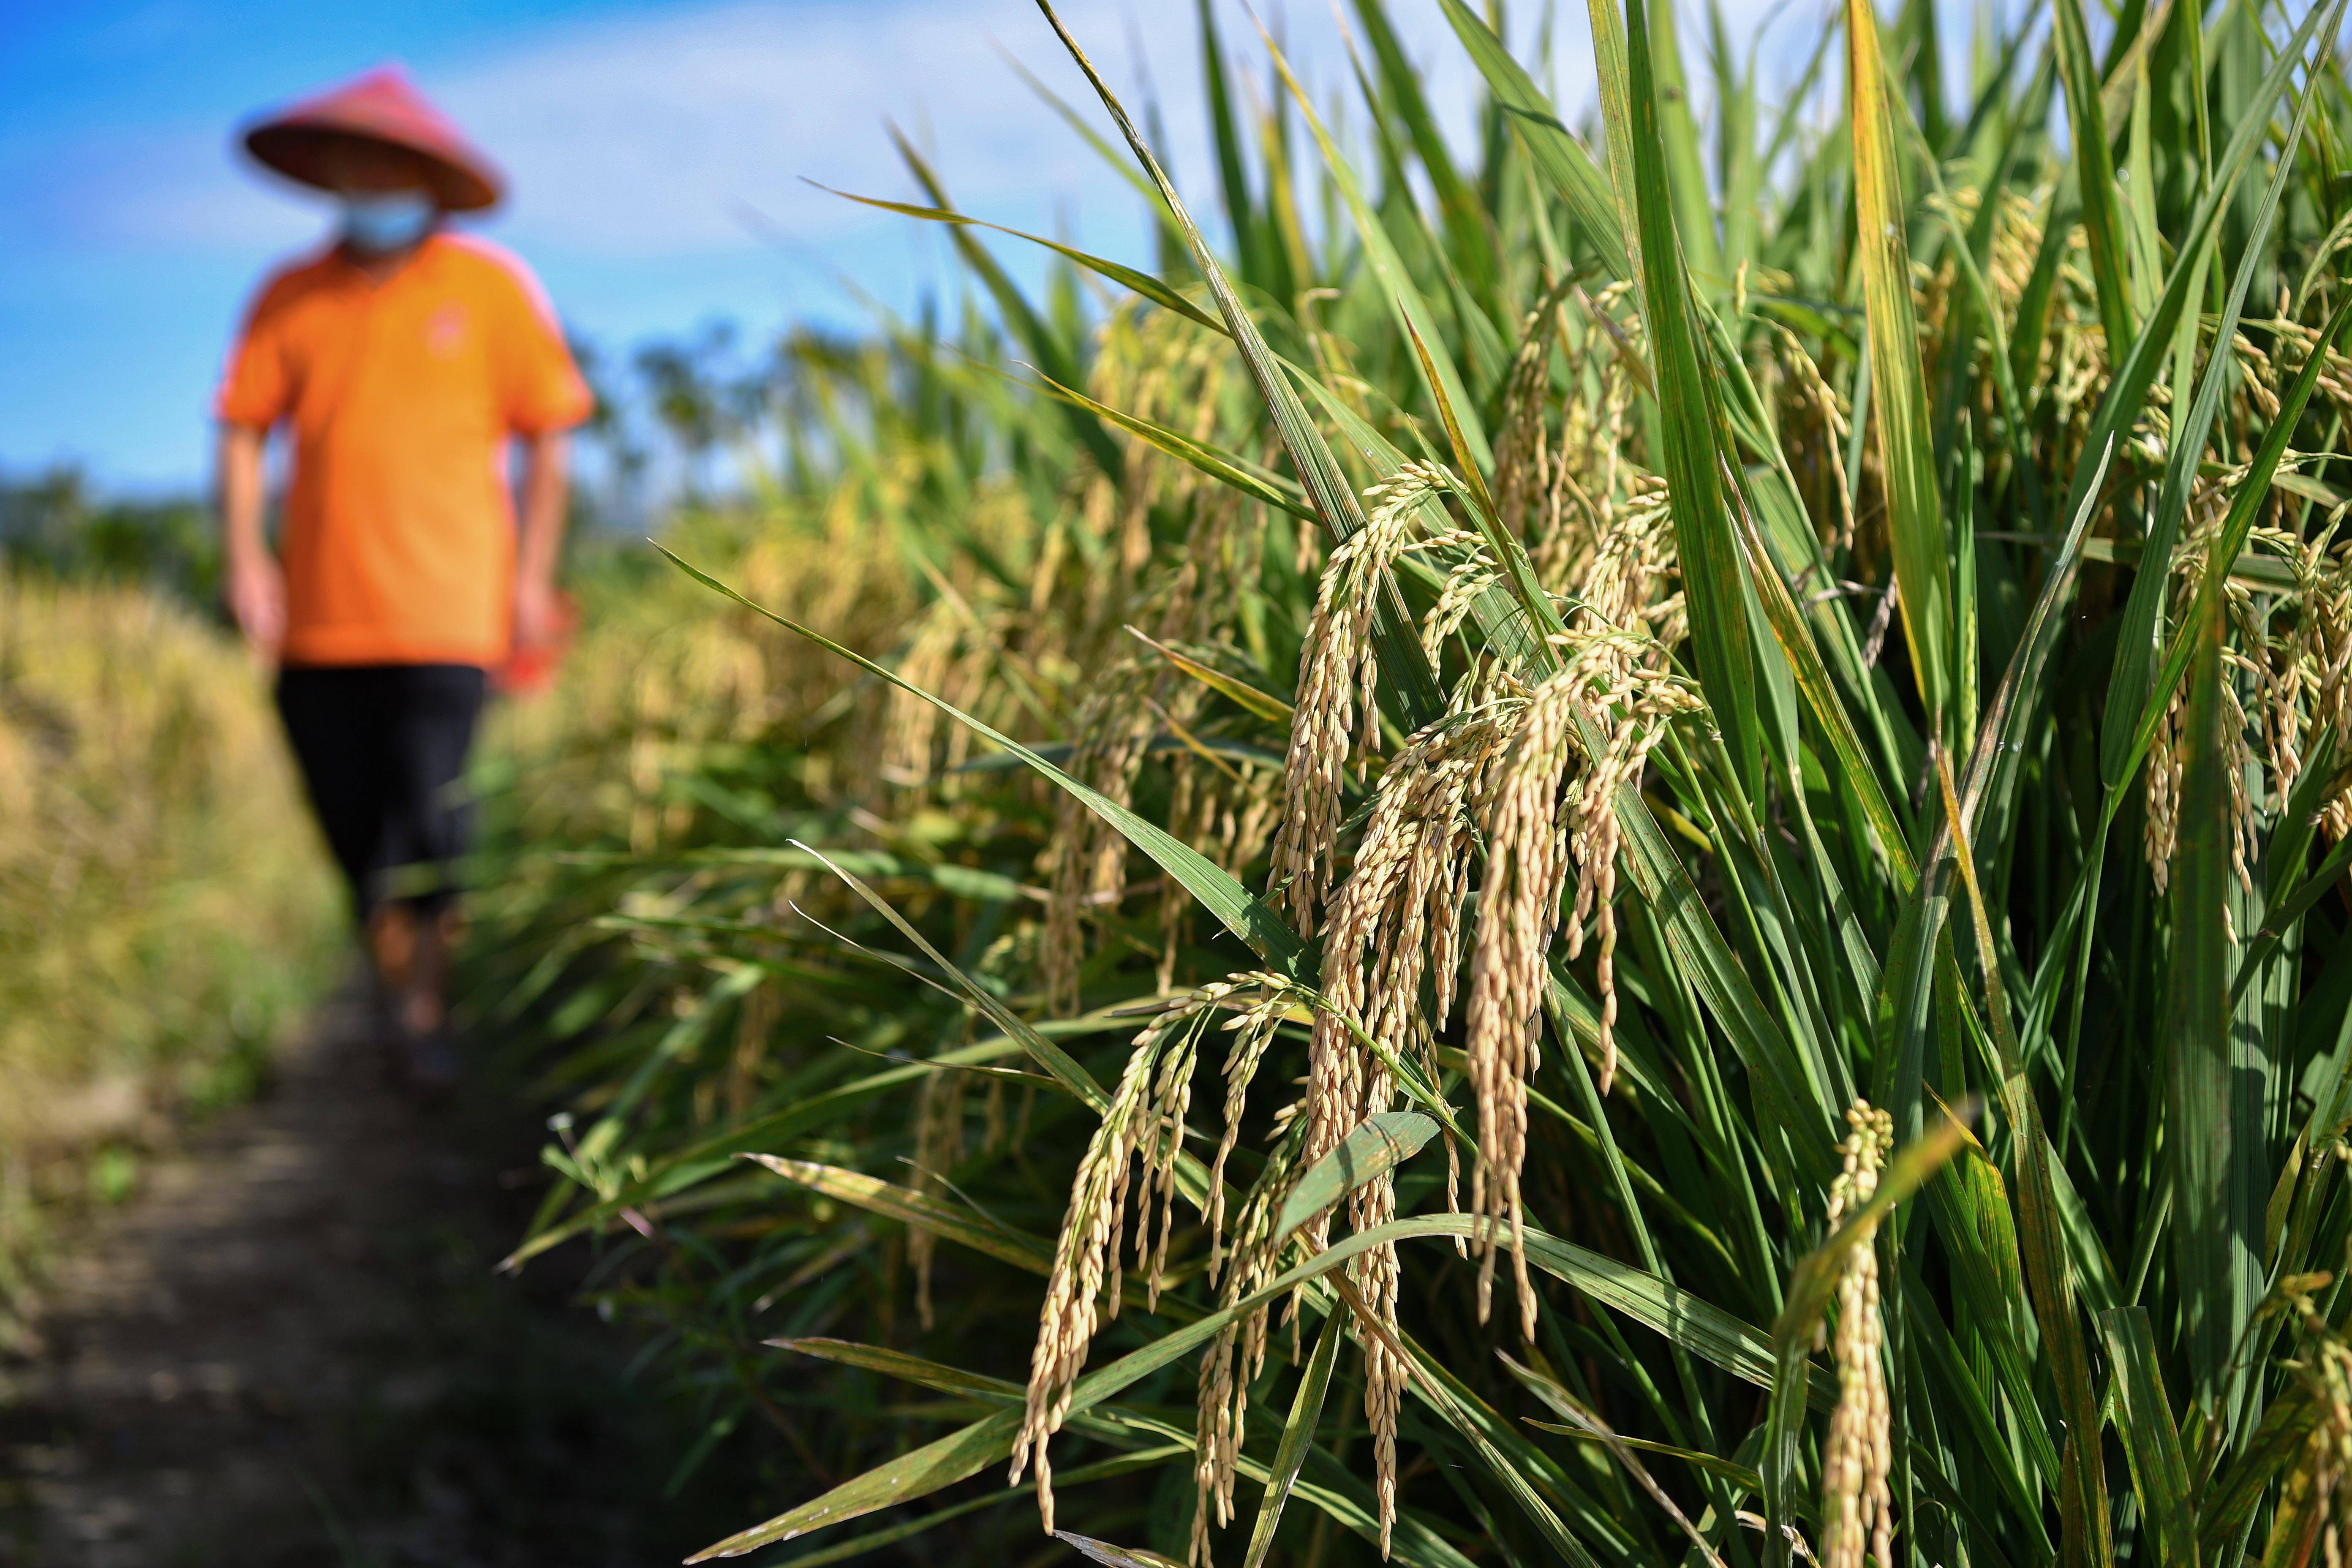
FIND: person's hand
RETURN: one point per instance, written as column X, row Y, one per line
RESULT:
column 255, row 590
column 539, row 616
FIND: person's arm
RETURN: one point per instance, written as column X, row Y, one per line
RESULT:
column 537, row 613
column 252, row 581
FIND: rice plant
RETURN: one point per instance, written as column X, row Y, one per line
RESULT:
column 1740, row 730
column 159, row 927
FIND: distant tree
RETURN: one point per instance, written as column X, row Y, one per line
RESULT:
column 53, row 524
column 612, row 429
column 695, row 397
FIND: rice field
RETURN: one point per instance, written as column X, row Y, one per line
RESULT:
column 159, row 926
column 1619, row 845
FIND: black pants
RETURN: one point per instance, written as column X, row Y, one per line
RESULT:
column 381, row 747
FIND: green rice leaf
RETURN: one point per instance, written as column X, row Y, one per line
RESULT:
column 1712, row 580
column 2237, row 1489
column 1153, row 288
column 1111, row 1556
column 1812, row 678
column 1899, row 388
column 1234, row 178
column 1412, row 312
column 915, row 1474
column 2042, row 1222
column 1404, row 668
column 907, row 1207
column 1239, row 910
column 2219, row 1179
column 1059, row 356
column 710, row 1157
column 1264, row 704
column 1560, row 158
column 1222, row 466
column 872, row 1541
column 1374, row 1149
column 907, row 1368
column 2143, row 624
column 2144, row 1416
column 2287, row 911
column 1716, row 975
column 2094, row 172
column 1955, row 1386
column 1064, row 1067
column 1739, row 1476
column 1297, row 1438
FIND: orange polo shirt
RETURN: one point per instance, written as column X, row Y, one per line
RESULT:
column 398, row 533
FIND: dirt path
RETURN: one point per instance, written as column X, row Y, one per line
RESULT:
column 289, row 1349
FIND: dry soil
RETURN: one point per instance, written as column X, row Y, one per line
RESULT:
column 289, row 1347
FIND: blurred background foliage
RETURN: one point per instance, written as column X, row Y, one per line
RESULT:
column 53, row 526
column 159, row 926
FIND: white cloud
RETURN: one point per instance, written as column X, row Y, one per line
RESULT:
column 648, row 135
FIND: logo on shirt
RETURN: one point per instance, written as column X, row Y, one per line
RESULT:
column 445, row 332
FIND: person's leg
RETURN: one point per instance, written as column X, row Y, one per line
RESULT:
column 330, row 720
column 336, row 718
column 429, row 731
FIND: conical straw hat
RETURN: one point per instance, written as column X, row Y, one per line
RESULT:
column 381, row 105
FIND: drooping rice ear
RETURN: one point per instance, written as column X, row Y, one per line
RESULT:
column 1857, row 1505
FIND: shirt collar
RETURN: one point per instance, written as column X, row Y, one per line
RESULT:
column 428, row 250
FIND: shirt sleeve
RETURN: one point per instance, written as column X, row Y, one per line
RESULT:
column 543, row 388
column 257, row 383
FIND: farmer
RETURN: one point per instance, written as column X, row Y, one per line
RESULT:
column 406, row 362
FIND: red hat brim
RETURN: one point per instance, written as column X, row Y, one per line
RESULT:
column 381, row 106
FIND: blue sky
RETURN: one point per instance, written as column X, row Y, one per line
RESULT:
column 656, row 146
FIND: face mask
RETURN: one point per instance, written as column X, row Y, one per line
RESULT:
column 379, row 223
